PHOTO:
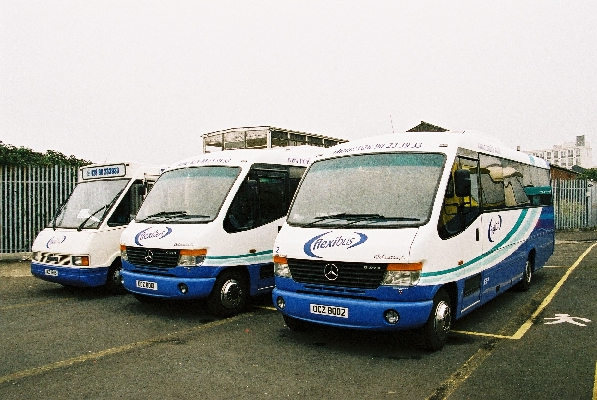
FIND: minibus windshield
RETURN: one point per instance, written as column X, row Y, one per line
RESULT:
column 89, row 203
column 188, row 195
column 370, row 190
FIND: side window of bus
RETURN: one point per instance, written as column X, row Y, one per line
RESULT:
column 128, row 206
column 510, row 184
column 272, row 197
column 492, row 183
column 536, row 185
column 263, row 197
column 460, row 209
column 294, row 177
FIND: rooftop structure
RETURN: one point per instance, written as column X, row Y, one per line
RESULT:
column 261, row 137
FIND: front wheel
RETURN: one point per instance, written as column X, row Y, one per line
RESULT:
column 434, row 333
column 230, row 294
column 113, row 280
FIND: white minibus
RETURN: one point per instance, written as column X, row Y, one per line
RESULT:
column 411, row 231
column 207, row 228
column 80, row 245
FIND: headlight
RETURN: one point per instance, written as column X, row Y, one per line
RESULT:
column 80, row 261
column 36, row 256
column 281, row 267
column 191, row 257
column 402, row 274
column 123, row 255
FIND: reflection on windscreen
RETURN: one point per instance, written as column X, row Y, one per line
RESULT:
column 89, row 203
column 188, row 195
column 373, row 190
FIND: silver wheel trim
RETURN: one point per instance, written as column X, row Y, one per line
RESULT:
column 442, row 319
column 115, row 276
column 528, row 271
column 231, row 293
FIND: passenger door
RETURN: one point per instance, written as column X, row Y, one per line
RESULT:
column 459, row 225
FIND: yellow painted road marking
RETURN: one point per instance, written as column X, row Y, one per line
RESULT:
column 115, row 350
column 271, row 308
column 595, row 384
column 482, row 334
column 527, row 325
column 461, row 374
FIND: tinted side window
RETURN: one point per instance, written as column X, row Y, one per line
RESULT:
column 263, row 197
column 129, row 205
column 492, row 182
column 459, row 212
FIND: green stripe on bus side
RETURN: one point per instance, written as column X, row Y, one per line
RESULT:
column 262, row 253
column 487, row 253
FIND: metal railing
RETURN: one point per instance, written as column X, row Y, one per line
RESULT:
column 573, row 202
column 30, row 197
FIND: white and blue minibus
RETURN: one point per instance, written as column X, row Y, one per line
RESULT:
column 81, row 244
column 411, row 231
column 207, row 228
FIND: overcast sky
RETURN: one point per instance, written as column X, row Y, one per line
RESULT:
column 142, row 80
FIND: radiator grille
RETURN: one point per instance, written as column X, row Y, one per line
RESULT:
column 345, row 274
column 156, row 258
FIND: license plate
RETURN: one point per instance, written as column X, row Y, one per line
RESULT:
column 341, row 312
column 147, row 285
column 51, row 272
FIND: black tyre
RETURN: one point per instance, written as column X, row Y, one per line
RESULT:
column 434, row 333
column 527, row 275
column 295, row 324
column 113, row 282
column 230, row 294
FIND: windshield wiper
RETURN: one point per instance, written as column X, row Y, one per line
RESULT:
column 90, row 217
column 105, row 207
column 354, row 218
column 164, row 214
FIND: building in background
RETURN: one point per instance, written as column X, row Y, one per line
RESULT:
column 568, row 155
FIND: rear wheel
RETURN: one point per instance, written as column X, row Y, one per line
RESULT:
column 527, row 275
column 230, row 294
column 434, row 333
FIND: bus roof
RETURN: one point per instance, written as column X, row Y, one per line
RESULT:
column 291, row 155
column 446, row 142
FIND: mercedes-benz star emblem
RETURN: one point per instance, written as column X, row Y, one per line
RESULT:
column 330, row 271
column 148, row 256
